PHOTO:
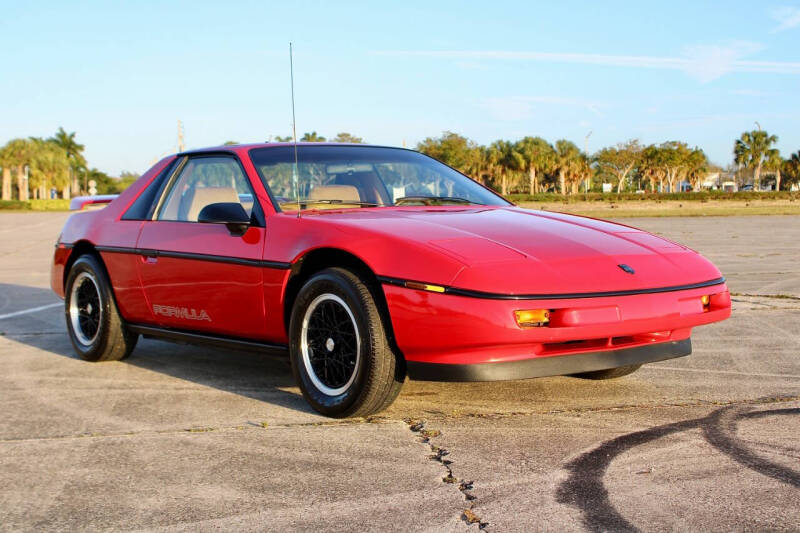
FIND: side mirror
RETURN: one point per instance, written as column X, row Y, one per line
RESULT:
column 231, row 214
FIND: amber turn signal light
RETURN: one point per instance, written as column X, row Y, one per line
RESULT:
column 424, row 286
column 705, row 300
column 532, row 318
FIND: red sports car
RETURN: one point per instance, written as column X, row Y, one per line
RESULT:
column 366, row 264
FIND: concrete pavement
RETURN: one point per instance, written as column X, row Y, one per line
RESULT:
column 180, row 437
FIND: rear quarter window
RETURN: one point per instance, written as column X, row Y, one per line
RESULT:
column 141, row 208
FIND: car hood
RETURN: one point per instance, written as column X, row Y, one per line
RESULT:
column 521, row 251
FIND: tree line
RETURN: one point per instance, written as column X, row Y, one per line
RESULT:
column 529, row 165
column 533, row 165
column 33, row 166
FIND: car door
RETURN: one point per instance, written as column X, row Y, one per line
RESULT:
column 199, row 276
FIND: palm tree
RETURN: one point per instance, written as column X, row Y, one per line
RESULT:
column 565, row 158
column 697, row 167
column 653, row 166
column 774, row 162
column 312, row 138
column 5, row 193
column 16, row 155
column 538, row 156
column 345, row 137
column 74, row 150
column 477, row 163
column 791, row 168
column 49, row 166
column 751, row 151
column 493, row 161
column 506, row 159
column 581, row 171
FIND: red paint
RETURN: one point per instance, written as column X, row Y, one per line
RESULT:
column 229, row 293
column 441, row 328
column 503, row 250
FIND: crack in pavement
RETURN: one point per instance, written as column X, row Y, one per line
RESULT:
column 725, row 372
column 693, row 402
column 415, row 426
column 776, row 296
column 424, row 435
column 764, row 302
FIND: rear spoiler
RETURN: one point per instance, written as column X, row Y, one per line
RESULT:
column 89, row 202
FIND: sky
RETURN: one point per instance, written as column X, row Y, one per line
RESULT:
column 121, row 74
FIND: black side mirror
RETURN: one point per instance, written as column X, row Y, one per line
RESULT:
column 231, row 214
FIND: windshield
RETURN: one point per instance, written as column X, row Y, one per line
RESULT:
column 363, row 176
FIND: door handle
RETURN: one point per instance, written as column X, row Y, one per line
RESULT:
column 149, row 257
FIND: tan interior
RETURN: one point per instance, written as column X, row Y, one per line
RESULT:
column 345, row 193
column 199, row 197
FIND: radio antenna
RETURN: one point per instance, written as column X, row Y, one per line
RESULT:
column 295, row 172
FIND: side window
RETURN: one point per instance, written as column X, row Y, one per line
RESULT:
column 204, row 181
column 141, row 207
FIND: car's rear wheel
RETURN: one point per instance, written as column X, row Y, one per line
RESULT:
column 95, row 326
column 341, row 355
column 611, row 373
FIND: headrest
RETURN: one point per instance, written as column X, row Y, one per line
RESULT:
column 345, row 193
column 203, row 196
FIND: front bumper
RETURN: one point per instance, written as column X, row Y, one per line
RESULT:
column 450, row 329
column 539, row 367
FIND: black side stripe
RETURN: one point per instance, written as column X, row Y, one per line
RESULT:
column 278, row 265
column 565, row 296
column 191, row 337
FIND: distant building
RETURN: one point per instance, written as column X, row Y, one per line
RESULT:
column 711, row 181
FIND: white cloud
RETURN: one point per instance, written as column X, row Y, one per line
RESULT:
column 750, row 92
column 703, row 62
column 709, row 62
column 787, row 17
column 522, row 107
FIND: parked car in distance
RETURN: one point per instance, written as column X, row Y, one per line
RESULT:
column 365, row 265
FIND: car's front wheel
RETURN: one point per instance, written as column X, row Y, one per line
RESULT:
column 341, row 354
column 611, row 373
column 95, row 326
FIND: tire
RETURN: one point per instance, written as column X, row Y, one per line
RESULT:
column 611, row 373
column 94, row 324
column 335, row 315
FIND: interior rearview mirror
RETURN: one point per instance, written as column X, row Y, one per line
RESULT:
column 231, row 214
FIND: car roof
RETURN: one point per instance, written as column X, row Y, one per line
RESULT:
column 240, row 148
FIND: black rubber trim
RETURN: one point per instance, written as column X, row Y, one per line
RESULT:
column 556, row 365
column 564, row 296
column 189, row 337
column 279, row 265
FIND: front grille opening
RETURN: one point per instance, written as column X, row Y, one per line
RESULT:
column 619, row 341
column 603, row 343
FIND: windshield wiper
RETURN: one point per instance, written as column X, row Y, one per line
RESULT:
column 345, row 202
column 434, row 200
